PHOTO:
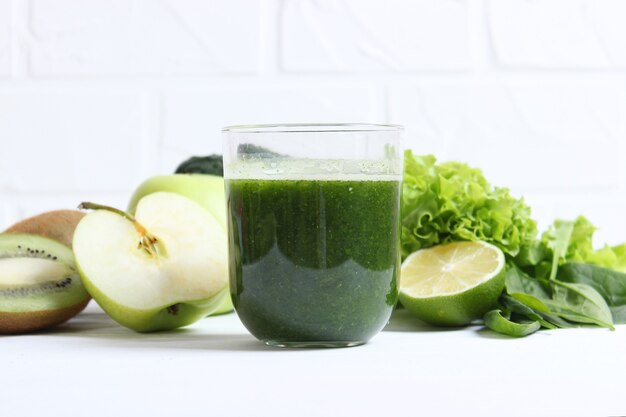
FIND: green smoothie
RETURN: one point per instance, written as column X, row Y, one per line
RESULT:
column 314, row 260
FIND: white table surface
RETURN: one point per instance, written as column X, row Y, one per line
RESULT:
column 93, row 367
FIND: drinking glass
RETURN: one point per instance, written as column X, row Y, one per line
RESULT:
column 314, row 230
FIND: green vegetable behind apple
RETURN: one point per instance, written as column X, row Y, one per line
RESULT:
column 200, row 179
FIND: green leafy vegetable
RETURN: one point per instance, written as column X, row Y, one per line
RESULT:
column 519, row 309
column 558, row 240
column 611, row 285
column 609, row 257
column 212, row 165
column 577, row 238
column 580, row 248
column 531, row 293
column 252, row 151
column 526, row 290
column 579, row 303
column 497, row 322
column 555, row 281
column 452, row 201
column 553, row 303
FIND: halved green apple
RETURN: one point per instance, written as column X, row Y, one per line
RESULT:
column 164, row 268
column 206, row 190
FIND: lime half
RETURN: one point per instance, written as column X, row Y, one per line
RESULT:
column 452, row 284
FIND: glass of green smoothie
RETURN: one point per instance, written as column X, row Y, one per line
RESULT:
column 314, row 225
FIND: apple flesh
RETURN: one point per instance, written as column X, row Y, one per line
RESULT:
column 165, row 268
column 206, row 190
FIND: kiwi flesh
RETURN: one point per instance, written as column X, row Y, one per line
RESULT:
column 39, row 283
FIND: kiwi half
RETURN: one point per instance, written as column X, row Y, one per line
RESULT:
column 39, row 283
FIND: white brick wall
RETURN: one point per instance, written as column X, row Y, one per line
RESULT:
column 559, row 33
column 374, row 35
column 60, row 142
column 96, row 95
column 5, row 38
column 121, row 37
column 527, row 135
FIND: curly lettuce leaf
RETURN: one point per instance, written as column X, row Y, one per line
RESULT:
column 452, row 201
column 579, row 247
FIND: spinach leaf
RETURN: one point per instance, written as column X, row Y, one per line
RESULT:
column 497, row 322
column 519, row 310
column 557, row 321
column 517, row 307
column 525, row 289
column 579, row 303
column 532, row 302
column 610, row 284
column 555, row 300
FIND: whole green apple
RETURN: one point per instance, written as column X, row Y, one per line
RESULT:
column 206, row 190
column 163, row 268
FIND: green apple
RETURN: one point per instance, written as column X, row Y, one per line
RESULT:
column 206, row 190
column 163, row 268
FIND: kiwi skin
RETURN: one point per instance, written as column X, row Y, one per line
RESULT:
column 28, row 322
column 58, row 225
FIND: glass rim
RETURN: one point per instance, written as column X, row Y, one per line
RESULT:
column 312, row 128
